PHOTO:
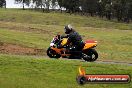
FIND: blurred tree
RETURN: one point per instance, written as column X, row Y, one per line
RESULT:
column 119, row 9
column 89, row 6
column 129, row 10
column 38, row 3
column 24, row 2
column 54, row 4
column 3, row 3
column 45, row 4
column 100, row 8
column 71, row 6
column 108, row 9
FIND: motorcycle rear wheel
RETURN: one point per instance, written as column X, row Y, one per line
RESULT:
column 90, row 55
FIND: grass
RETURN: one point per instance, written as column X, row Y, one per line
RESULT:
column 20, row 16
column 35, row 29
column 25, row 72
column 22, row 38
column 113, row 42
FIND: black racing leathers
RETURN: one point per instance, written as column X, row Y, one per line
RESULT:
column 76, row 40
column 77, row 43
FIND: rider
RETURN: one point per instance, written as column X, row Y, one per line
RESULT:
column 74, row 38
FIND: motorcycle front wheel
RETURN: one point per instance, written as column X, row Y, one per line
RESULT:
column 52, row 54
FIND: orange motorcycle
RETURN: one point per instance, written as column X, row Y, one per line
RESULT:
column 88, row 52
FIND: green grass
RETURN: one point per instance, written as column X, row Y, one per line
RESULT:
column 32, row 17
column 22, row 38
column 34, row 29
column 32, row 72
column 112, row 44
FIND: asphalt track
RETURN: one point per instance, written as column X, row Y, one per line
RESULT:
column 107, row 62
column 99, row 61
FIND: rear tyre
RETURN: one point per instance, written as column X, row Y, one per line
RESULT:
column 90, row 55
column 52, row 54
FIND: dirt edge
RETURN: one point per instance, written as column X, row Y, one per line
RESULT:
column 8, row 48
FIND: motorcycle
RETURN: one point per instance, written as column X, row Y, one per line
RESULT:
column 88, row 53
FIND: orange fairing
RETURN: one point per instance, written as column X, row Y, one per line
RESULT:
column 81, row 71
column 90, row 44
column 57, row 50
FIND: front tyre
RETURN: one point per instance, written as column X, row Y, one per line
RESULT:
column 90, row 55
column 52, row 54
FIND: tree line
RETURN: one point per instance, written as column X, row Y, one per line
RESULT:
column 3, row 3
column 110, row 9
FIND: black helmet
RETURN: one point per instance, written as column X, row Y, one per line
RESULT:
column 68, row 29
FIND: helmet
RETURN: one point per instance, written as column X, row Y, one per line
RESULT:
column 68, row 29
